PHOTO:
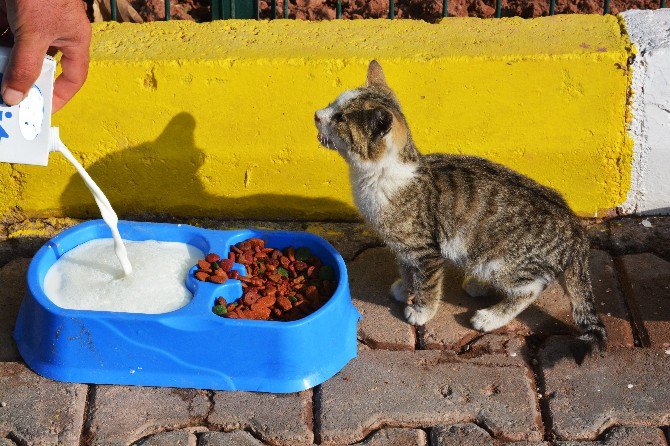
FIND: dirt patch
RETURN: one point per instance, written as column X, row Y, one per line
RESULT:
column 152, row 10
column 431, row 10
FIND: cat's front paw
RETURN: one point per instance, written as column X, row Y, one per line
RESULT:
column 398, row 291
column 418, row 315
column 486, row 320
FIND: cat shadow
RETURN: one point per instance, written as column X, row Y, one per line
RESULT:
column 373, row 272
column 537, row 320
column 534, row 322
column 140, row 182
column 371, row 282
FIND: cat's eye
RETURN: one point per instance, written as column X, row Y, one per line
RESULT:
column 338, row 117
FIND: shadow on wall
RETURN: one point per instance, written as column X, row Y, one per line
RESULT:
column 160, row 177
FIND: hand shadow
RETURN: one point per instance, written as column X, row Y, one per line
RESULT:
column 161, row 177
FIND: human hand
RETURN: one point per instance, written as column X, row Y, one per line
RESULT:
column 37, row 27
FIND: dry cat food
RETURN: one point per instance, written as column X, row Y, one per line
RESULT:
column 279, row 285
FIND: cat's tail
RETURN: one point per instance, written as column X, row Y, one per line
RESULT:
column 578, row 285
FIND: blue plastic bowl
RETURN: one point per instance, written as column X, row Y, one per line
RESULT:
column 190, row 347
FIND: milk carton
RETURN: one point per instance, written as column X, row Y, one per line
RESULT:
column 25, row 128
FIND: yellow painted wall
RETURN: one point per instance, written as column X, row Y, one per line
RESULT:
column 216, row 119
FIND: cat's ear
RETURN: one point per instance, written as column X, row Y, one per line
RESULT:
column 380, row 122
column 376, row 75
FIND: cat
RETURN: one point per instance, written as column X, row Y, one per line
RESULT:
column 509, row 234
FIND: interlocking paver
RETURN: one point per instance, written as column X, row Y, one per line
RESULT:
column 497, row 349
column 12, row 288
column 122, row 414
column 383, row 325
column 350, row 239
column 468, row 434
column 425, row 388
column 27, row 236
column 550, row 314
column 38, row 411
column 6, row 252
column 280, row 419
column 609, row 300
column 599, row 234
column 628, row 386
column 173, row 438
column 646, row 280
column 396, row 437
column 624, row 436
column 234, row 438
column 630, row 236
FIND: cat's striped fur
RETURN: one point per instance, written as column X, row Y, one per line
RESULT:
column 508, row 233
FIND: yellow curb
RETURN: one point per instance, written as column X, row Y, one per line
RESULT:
column 216, row 119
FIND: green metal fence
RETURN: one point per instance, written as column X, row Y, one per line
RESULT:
column 249, row 9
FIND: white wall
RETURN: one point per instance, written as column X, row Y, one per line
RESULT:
column 650, row 127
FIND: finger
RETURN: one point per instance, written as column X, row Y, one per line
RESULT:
column 74, row 63
column 23, row 68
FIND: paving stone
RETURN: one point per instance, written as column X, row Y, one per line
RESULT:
column 396, row 437
column 496, row 349
column 628, row 386
column 646, row 280
column 350, row 239
column 609, row 300
column 383, row 325
column 234, row 438
column 473, row 435
column 599, row 234
column 123, row 414
column 212, row 223
column 38, row 411
column 12, row 289
column 468, row 434
column 6, row 252
column 28, row 236
column 551, row 314
column 279, row 419
column 425, row 388
column 625, row 436
column 629, row 236
column 173, row 438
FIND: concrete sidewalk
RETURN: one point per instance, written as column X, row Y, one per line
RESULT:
column 442, row 384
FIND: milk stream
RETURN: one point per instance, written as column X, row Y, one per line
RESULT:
column 108, row 214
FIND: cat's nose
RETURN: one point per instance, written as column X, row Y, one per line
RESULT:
column 317, row 120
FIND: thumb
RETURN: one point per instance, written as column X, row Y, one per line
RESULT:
column 23, row 68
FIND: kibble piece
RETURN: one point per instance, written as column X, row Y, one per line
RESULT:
column 211, row 257
column 220, row 310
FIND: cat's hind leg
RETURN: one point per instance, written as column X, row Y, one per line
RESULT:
column 427, row 281
column 518, row 296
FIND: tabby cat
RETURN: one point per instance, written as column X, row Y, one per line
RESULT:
column 509, row 234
